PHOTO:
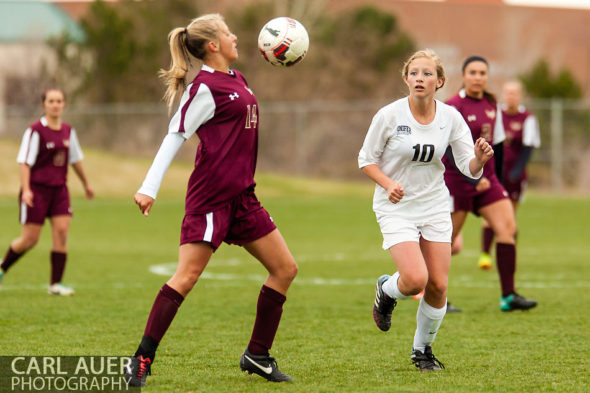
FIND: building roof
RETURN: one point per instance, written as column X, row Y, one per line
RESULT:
column 35, row 21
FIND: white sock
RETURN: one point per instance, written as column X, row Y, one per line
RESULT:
column 391, row 289
column 428, row 320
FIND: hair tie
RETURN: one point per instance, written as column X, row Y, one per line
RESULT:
column 185, row 31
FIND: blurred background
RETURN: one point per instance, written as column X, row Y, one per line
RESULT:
column 105, row 55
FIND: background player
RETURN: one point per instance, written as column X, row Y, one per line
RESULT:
column 48, row 146
column 522, row 136
column 220, row 203
column 402, row 153
column 486, row 197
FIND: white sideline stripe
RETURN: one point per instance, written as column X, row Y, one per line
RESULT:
column 209, row 231
column 463, row 281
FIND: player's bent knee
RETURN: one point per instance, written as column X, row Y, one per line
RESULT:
column 287, row 272
column 29, row 242
column 414, row 284
column 506, row 233
column 438, row 287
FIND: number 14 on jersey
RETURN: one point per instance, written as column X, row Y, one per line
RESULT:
column 251, row 117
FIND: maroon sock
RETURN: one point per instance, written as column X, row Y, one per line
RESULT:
column 268, row 316
column 506, row 261
column 58, row 265
column 163, row 312
column 10, row 258
column 487, row 238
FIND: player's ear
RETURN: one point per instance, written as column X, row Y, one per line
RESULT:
column 440, row 83
column 213, row 46
column 405, row 78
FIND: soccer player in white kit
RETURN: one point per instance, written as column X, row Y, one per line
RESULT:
column 402, row 153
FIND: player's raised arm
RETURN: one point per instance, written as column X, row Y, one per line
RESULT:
column 483, row 152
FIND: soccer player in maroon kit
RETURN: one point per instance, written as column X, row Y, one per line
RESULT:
column 486, row 197
column 220, row 202
column 48, row 146
column 522, row 136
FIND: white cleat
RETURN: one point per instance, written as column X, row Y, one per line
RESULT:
column 60, row 290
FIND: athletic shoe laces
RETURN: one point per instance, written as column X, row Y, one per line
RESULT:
column 431, row 358
column 426, row 360
column 144, row 366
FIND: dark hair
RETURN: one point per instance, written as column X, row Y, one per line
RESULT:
column 471, row 59
column 486, row 94
column 44, row 94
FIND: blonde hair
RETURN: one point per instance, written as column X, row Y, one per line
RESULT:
column 186, row 41
column 429, row 54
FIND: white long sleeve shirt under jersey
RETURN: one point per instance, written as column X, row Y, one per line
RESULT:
column 410, row 153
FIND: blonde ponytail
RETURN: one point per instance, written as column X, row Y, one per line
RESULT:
column 174, row 78
column 184, row 42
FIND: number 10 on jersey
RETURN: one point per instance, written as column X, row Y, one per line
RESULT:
column 426, row 150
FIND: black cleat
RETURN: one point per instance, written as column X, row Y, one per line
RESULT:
column 516, row 302
column 426, row 361
column 383, row 306
column 451, row 308
column 263, row 365
column 137, row 370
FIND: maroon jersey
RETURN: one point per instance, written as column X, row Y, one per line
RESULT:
column 47, row 152
column 521, row 130
column 223, row 111
column 484, row 120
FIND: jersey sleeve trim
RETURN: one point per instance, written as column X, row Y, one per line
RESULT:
column 499, row 133
column 29, row 148
column 531, row 135
column 75, row 151
column 193, row 111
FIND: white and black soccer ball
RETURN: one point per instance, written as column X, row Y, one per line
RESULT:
column 283, row 41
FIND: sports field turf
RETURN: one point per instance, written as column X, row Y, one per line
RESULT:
column 327, row 340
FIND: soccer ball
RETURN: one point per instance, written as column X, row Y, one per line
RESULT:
column 283, row 42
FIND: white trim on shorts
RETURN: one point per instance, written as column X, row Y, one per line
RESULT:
column 208, row 236
column 451, row 203
column 23, row 213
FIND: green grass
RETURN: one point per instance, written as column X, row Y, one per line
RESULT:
column 327, row 339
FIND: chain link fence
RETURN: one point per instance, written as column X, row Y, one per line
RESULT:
column 320, row 138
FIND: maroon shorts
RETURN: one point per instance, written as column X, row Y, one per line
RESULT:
column 240, row 221
column 515, row 189
column 47, row 202
column 495, row 193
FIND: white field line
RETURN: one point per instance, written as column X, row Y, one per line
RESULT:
column 535, row 280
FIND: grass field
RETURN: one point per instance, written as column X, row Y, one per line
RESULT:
column 327, row 340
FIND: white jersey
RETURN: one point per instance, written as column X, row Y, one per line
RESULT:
column 410, row 153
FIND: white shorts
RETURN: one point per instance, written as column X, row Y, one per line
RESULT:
column 397, row 229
